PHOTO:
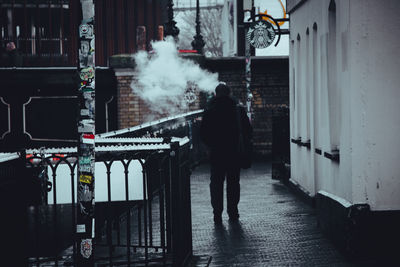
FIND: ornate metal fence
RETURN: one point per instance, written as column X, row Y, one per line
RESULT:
column 142, row 205
column 143, row 210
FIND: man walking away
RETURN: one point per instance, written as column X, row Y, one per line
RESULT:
column 220, row 132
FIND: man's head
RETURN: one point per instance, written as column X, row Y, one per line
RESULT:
column 222, row 90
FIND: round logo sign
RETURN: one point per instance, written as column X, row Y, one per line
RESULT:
column 261, row 34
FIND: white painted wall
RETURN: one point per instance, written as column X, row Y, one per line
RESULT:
column 344, row 94
column 375, row 83
column 311, row 101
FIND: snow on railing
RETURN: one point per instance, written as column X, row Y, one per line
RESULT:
column 8, row 156
column 135, row 144
column 148, row 125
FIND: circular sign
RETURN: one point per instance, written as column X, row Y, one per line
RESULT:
column 190, row 93
column 261, row 34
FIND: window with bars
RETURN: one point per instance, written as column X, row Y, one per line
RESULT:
column 40, row 31
column 44, row 32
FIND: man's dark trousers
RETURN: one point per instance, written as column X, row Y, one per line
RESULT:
column 218, row 173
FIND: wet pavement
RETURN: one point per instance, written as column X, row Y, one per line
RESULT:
column 275, row 227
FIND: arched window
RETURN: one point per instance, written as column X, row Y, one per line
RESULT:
column 307, row 84
column 298, row 88
column 316, row 86
column 333, row 91
column 332, row 6
column 293, row 86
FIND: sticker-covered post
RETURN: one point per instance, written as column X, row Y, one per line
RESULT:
column 249, row 95
column 248, row 51
column 85, row 224
column 259, row 35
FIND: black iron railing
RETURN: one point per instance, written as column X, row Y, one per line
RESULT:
column 142, row 210
column 186, row 124
column 142, row 205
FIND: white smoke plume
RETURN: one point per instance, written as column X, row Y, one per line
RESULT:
column 163, row 78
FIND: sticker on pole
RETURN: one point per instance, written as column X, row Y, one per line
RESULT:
column 88, row 139
column 261, row 34
column 86, row 126
column 86, row 31
column 86, row 248
column 85, row 178
column 80, row 228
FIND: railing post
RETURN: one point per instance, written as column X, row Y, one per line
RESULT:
column 181, row 224
column 174, row 204
column 13, row 232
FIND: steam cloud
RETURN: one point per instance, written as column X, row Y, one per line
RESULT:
column 164, row 78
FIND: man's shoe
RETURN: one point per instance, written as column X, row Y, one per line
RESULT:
column 234, row 217
column 217, row 219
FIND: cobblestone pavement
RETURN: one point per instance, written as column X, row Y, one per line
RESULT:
column 275, row 227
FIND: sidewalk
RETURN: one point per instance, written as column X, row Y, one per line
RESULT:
column 275, row 229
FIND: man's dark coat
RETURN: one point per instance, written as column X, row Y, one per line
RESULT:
column 220, row 132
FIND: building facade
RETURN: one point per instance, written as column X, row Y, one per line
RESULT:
column 45, row 32
column 344, row 123
column 38, row 72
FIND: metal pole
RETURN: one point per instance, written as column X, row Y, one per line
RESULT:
column 85, row 224
column 170, row 26
column 198, row 42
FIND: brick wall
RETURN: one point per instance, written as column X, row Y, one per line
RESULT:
column 270, row 88
column 131, row 109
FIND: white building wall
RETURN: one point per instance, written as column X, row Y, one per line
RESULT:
column 343, row 86
column 319, row 117
column 344, row 94
column 375, row 116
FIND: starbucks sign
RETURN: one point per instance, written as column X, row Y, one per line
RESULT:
column 261, row 34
